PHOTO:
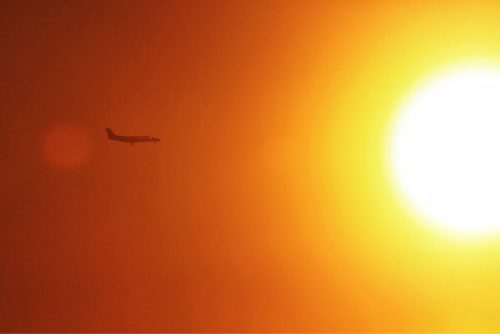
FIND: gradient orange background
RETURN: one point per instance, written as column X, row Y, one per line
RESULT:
column 267, row 205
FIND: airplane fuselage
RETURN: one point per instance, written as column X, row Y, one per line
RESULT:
column 132, row 139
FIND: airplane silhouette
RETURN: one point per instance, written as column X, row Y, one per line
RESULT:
column 131, row 139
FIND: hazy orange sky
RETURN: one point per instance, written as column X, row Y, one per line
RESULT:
column 266, row 207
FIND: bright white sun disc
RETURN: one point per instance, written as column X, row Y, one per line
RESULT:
column 445, row 150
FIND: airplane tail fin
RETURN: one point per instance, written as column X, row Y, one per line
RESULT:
column 110, row 133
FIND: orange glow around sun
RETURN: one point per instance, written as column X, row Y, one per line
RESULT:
column 273, row 202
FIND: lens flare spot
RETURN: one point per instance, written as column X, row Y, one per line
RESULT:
column 67, row 146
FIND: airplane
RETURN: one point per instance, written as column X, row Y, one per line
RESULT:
column 131, row 139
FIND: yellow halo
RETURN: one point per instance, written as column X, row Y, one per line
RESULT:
column 445, row 150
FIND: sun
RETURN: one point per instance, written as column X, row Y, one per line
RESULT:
column 444, row 150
